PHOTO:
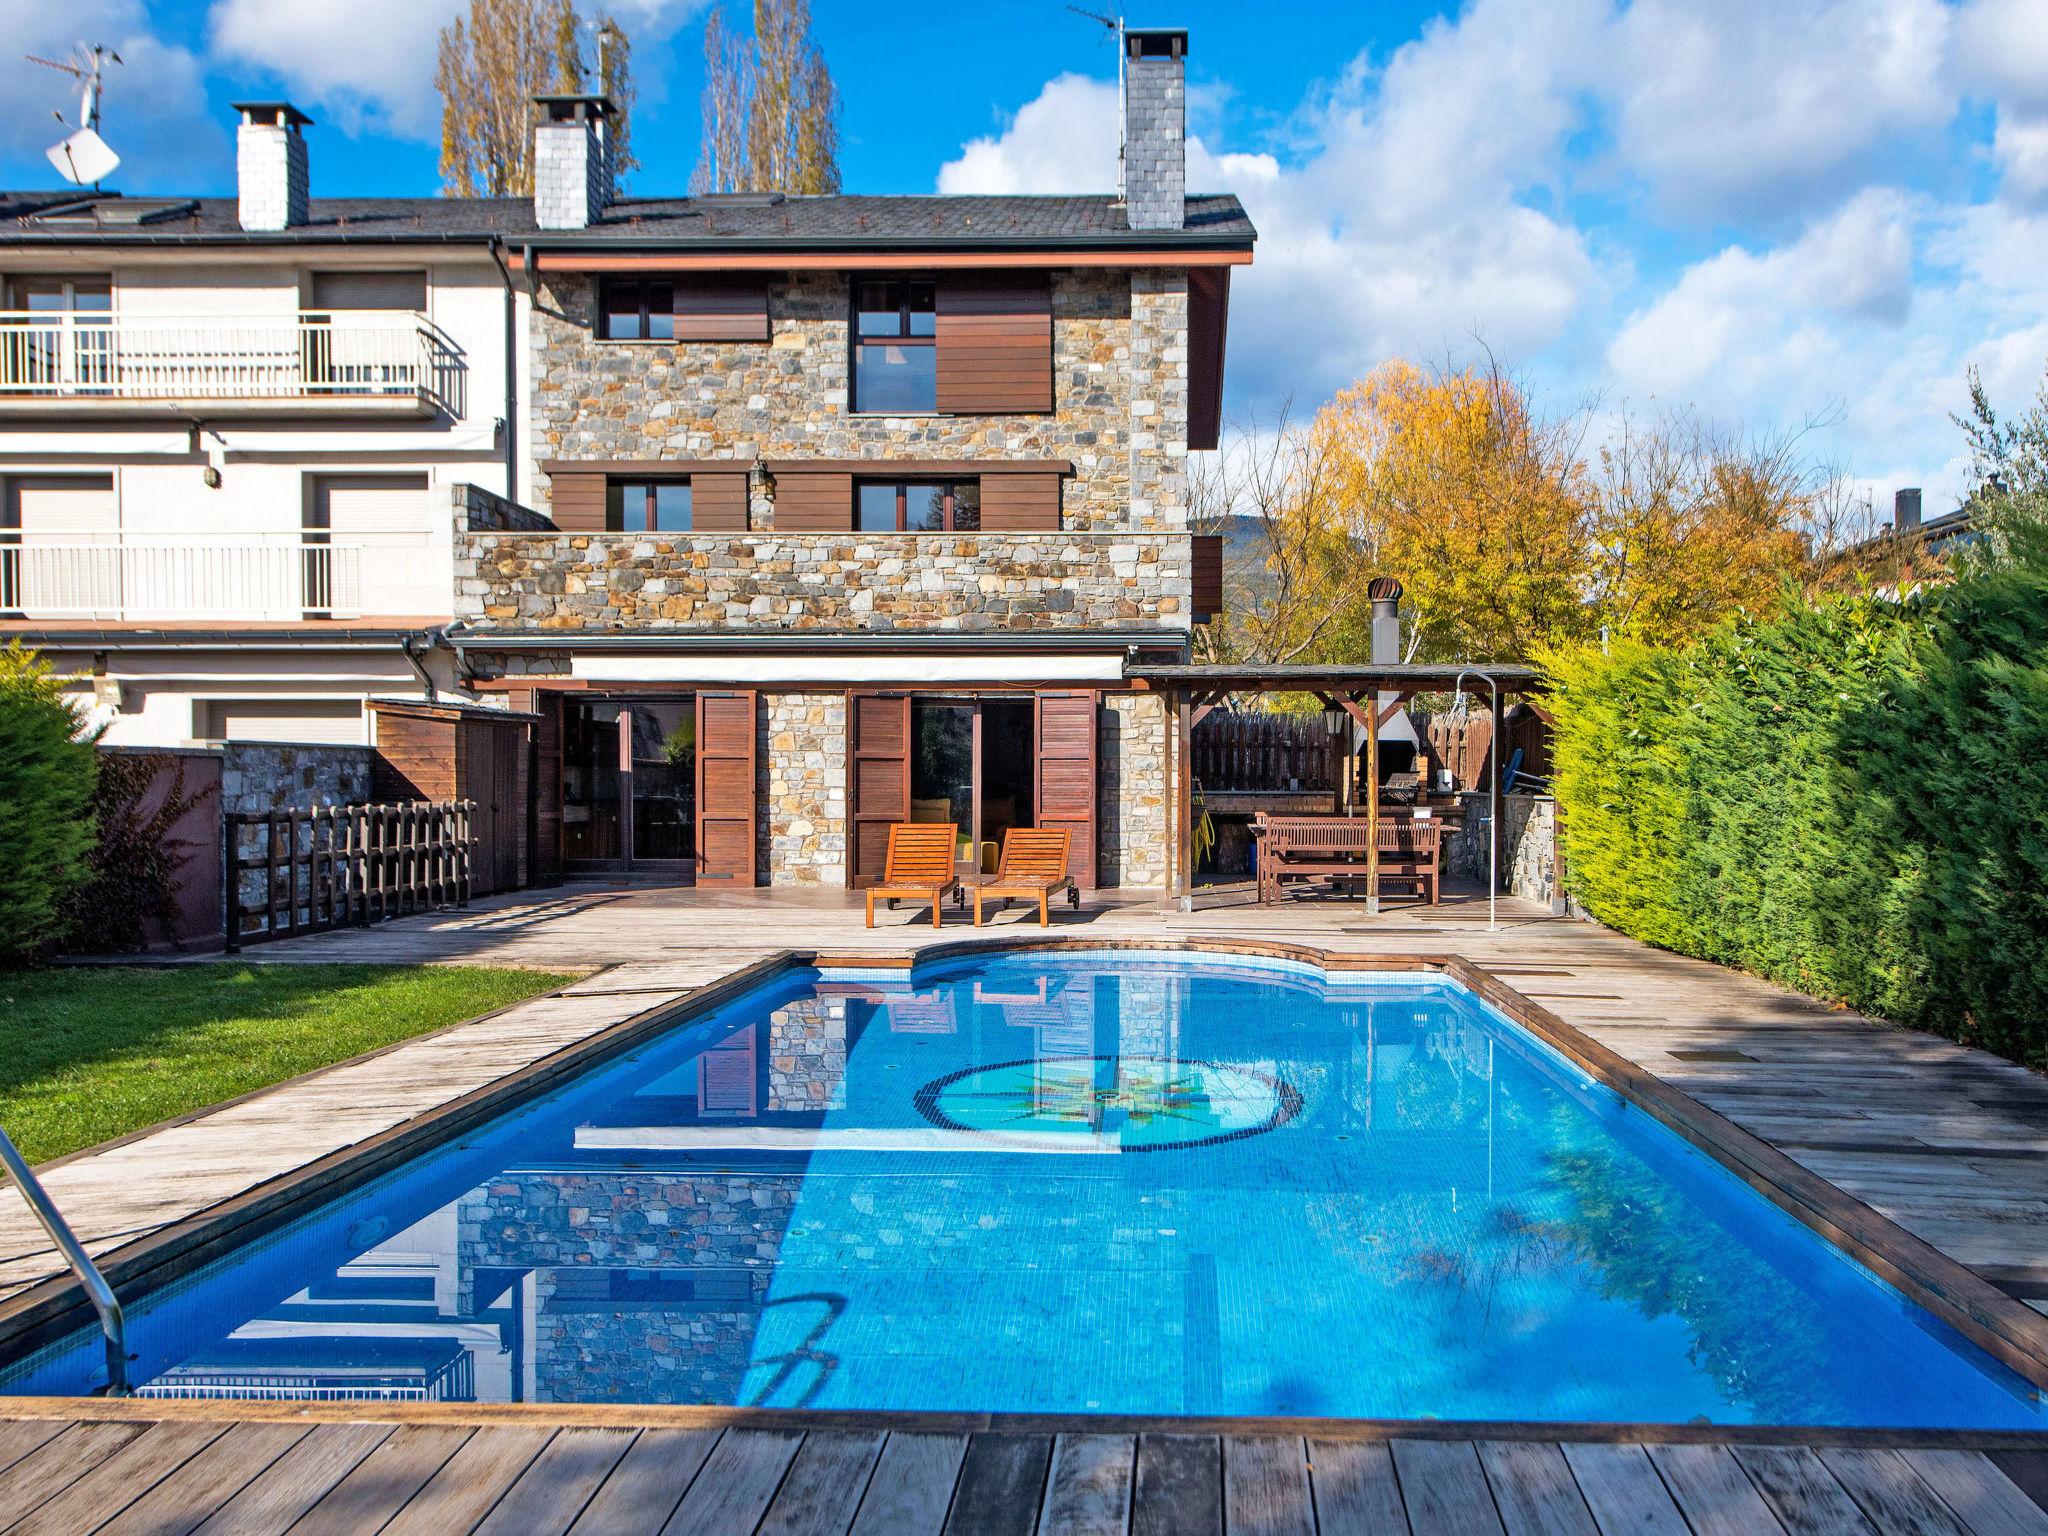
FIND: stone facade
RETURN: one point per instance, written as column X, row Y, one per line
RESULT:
column 480, row 511
column 1132, row 834
column 1528, row 847
column 802, row 792
column 1120, row 392
column 258, row 777
column 875, row 582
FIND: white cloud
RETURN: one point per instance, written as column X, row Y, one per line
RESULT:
column 2001, row 54
column 372, row 61
column 1745, row 106
column 1063, row 140
column 153, row 112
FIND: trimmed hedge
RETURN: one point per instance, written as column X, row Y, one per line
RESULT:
column 46, row 789
column 1849, row 797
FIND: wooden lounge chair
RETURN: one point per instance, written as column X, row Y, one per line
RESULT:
column 1034, row 867
column 919, row 866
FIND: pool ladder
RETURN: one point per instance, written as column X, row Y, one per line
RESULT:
column 104, row 1301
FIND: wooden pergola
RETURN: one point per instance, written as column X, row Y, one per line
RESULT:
column 1362, row 692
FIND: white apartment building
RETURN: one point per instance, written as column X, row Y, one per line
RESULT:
column 232, row 433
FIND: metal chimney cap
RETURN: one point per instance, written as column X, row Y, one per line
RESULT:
column 1384, row 589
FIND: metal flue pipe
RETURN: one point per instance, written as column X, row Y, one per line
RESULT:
column 1492, row 795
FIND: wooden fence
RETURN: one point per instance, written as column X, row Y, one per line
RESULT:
column 294, row 872
column 1253, row 751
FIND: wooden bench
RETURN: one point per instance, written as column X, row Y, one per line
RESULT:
column 919, row 867
column 1033, row 867
column 1334, row 848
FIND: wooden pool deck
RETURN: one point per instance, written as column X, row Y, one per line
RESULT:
column 266, row 1476
column 1949, row 1143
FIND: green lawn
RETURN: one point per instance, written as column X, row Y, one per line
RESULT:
column 89, row 1054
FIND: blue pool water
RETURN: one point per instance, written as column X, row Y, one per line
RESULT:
column 1075, row 1182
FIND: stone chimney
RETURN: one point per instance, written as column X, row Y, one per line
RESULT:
column 1156, row 128
column 270, row 165
column 1906, row 509
column 572, row 161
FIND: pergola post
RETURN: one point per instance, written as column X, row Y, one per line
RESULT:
column 1372, row 806
column 1499, row 844
column 1184, row 800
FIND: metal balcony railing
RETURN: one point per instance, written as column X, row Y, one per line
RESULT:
column 229, row 576
column 306, row 356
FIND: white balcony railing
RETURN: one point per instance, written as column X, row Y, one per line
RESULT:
column 236, row 576
column 335, row 358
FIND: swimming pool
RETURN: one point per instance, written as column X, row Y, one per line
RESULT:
column 1073, row 1181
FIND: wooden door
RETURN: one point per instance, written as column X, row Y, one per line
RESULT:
column 492, row 767
column 1066, row 774
column 878, row 737
column 725, row 787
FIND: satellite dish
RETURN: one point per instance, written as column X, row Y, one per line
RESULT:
column 83, row 158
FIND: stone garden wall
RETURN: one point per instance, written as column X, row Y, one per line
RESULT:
column 1120, row 394
column 1528, row 850
column 989, row 582
column 262, row 776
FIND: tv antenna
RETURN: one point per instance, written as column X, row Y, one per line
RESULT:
column 82, row 156
column 1114, row 25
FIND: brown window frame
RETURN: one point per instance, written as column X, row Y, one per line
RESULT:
column 647, row 483
column 608, row 286
column 901, row 337
column 902, row 488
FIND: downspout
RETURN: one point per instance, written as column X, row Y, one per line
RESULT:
column 406, row 644
column 511, row 371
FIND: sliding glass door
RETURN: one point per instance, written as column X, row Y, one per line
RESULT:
column 629, row 785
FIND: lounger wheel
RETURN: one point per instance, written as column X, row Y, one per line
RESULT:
column 1074, row 897
column 892, row 903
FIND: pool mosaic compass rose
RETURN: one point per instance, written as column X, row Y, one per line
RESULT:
column 1129, row 1103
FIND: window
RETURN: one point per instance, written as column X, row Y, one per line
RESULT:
column 636, row 309
column 62, row 295
column 918, row 506
column 403, row 291
column 647, row 506
column 68, row 345
column 895, row 359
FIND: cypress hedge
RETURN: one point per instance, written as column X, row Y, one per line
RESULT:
column 46, row 790
column 1848, row 795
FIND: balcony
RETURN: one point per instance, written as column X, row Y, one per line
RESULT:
column 224, row 577
column 364, row 364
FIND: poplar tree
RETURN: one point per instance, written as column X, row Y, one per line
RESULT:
column 771, row 110
column 492, row 63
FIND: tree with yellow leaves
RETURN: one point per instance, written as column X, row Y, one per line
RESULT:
column 771, row 111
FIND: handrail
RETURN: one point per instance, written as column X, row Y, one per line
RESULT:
column 112, row 1324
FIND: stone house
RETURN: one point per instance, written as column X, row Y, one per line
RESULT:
column 770, row 521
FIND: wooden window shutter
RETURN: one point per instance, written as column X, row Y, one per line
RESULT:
column 1020, row 503
column 1066, row 775
column 718, row 503
column 726, row 1076
column 995, row 342
column 725, row 787
column 721, row 307
column 1207, row 568
column 878, row 731
column 807, row 503
column 576, row 501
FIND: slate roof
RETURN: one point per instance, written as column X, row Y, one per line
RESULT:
column 728, row 223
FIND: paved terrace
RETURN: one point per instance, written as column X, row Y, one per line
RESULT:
column 1947, row 1142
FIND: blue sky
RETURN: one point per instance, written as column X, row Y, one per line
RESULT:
column 1782, row 213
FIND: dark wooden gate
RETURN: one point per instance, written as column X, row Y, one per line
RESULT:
column 725, row 788
column 878, row 736
column 1066, row 774
column 294, row 872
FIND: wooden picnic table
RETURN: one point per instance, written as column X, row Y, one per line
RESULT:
column 1339, row 849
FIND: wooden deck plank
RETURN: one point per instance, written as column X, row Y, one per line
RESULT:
column 1712, row 1491
column 1357, row 1492
column 912, row 1486
column 120, row 1480
column 737, row 1482
column 1891, row 1493
column 1988, row 1501
column 283, row 1491
column 1265, row 1486
column 1623, row 1491
column 1002, row 1481
column 1088, row 1491
column 1802, row 1491
column 1444, row 1488
column 470, row 1483
column 647, row 1484
column 381, row 1484
column 1534, row 1490
column 51, row 1468
column 1178, row 1487
column 176, row 1505
column 552, row 1491
column 2028, row 1471
column 18, row 1437
column 825, row 1484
